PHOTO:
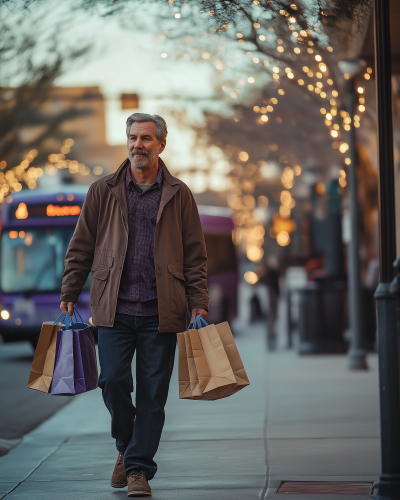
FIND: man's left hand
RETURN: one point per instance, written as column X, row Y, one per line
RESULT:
column 203, row 313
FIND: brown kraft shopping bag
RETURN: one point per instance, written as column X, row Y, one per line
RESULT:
column 188, row 379
column 185, row 391
column 193, row 375
column 41, row 374
column 216, row 377
column 232, row 352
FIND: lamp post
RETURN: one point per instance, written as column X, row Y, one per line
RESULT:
column 389, row 483
column 356, row 356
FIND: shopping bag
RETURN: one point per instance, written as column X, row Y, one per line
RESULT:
column 219, row 369
column 225, row 334
column 41, row 374
column 75, row 369
column 185, row 390
column 189, row 387
column 216, row 378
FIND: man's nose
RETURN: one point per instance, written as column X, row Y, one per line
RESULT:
column 138, row 143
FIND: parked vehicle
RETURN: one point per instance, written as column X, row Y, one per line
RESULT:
column 37, row 227
column 222, row 268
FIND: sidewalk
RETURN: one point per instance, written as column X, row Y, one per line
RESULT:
column 301, row 419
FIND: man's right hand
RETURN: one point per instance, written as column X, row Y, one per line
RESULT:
column 67, row 306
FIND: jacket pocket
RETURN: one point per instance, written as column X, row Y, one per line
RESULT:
column 100, row 274
column 177, row 295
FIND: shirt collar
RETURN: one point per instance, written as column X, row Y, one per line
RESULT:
column 130, row 182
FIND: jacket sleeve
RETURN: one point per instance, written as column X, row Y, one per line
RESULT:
column 79, row 258
column 194, row 256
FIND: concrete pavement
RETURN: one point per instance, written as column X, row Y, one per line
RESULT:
column 21, row 410
column 301, row 419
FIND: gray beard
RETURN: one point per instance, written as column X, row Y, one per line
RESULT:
column 145, row 161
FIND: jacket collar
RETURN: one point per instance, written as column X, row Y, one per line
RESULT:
column 120, row 174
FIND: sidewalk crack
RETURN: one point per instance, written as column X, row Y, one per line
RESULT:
column 38, row 465
column 264, row 491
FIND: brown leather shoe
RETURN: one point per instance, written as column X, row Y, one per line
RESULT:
column 138, row 485
column 118, row 479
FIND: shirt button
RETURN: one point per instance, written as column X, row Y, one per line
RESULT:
column 120, row 267
column 158, row 272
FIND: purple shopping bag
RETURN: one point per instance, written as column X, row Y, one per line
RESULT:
column 75, row 368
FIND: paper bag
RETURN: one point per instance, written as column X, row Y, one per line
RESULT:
column 232, row 352
column 185, row 390
column 41, row 374
column 210, row 366
column 75, row 369
column 216, row 377
column 188, row 379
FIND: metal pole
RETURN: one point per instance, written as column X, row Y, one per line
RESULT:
column 389, row 483
column 357, row 359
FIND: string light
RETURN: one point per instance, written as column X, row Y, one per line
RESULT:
column 319, row 70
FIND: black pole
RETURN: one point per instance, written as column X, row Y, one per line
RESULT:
column 383, row 62
column 357, row 358
column 389, row 483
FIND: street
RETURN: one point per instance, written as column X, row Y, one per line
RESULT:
column 301, row 419
column 22, row 410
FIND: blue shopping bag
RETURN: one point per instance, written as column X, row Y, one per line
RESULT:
column 75, row 368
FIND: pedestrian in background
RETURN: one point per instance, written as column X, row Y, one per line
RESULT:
column 140, row 236
column 271, row 279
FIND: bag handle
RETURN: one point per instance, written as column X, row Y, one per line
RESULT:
column 199, row 322
column 76, row 312
column 55, row 322
column 66, row 318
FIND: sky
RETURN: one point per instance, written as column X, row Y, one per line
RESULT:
column 124, row 61
column 126, row 56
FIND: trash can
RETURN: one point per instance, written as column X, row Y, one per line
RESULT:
column 310, row 319
column 323, row 318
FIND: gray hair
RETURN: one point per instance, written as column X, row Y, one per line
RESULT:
column 161, row 130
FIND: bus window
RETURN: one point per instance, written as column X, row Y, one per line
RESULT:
column 221, row 253
column 32, row 259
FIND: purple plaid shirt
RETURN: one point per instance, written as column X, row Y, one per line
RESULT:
column 138, row 289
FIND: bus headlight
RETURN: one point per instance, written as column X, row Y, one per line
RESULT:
column 5, row 314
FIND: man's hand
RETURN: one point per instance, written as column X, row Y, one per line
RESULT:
column 203, row 313
column 67, row 306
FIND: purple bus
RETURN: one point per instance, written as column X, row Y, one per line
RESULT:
column 222, row 268
column 37, row 227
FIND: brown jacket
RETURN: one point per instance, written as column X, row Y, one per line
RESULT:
column 100, row 241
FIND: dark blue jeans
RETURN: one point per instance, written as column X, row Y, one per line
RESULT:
column 136, row 429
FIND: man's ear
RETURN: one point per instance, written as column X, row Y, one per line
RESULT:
column 162, row 145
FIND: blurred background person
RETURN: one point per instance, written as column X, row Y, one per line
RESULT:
column 271, row 279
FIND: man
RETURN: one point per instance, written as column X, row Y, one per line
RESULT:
column 140, row 236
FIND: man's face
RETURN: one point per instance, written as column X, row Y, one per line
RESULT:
column 143, row 145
